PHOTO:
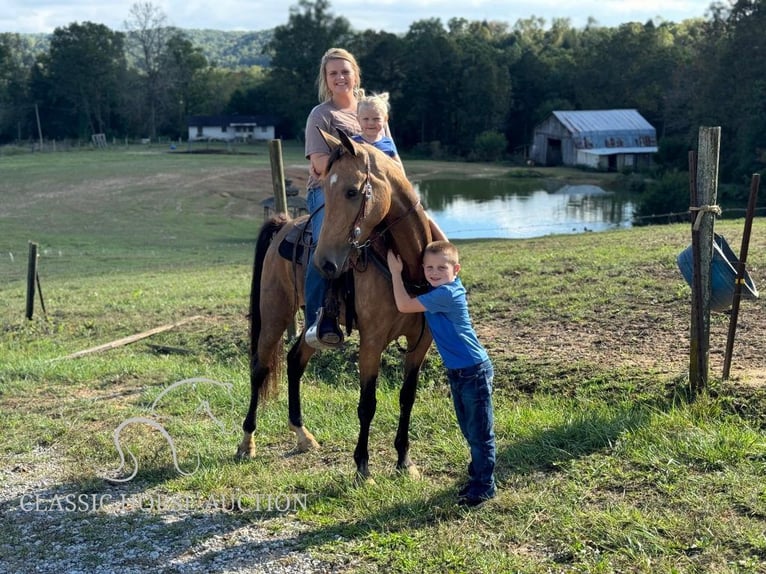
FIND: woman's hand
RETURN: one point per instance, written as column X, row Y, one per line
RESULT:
column 318, row 164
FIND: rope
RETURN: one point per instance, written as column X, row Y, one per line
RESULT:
column 701, row 210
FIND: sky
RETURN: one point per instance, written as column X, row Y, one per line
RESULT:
column 395, row 16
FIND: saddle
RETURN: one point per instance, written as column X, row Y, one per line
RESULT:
column 295, row 246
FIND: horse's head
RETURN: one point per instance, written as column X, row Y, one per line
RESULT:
column 357, row 191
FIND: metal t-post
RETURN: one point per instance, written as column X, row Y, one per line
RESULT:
column 755, row 183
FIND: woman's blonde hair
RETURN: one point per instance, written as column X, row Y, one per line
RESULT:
column 378, row 102
column 337, row 54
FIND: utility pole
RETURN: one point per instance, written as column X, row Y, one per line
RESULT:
column 39, row 129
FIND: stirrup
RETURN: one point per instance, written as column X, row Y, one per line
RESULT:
column 324, row 333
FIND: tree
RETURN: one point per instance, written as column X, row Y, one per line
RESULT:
column 182, row 68
column 80, row 79
column 478, row 106
column 296, row 50
column 149, row 33
column 14, row 77
column 431, row 68
column 732, row 93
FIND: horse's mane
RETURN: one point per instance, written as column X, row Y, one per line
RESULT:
column 380, row 163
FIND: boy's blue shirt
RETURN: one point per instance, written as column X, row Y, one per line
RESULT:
column 450, row 324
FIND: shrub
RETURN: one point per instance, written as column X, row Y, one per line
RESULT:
column 490, row 146
column 666, row 200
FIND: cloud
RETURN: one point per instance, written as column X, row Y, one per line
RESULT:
column 390, row 15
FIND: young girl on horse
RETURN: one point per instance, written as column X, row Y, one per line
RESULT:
column 372, row 112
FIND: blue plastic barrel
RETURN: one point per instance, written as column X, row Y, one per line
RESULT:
column 723, row 275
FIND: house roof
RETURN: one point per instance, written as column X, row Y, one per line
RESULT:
column 232, row 120
column 583, row 122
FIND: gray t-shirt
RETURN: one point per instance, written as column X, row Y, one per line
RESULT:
column 327, row 117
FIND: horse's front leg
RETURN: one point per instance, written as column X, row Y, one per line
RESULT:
column 368, row 403
column 297, row 359
column 258, row 375
column 402, row 441
column 419, row 343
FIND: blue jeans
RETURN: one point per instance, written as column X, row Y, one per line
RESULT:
column 316, row 285
column 472, row 396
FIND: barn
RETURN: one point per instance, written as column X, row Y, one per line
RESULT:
column 231, row 128
column 607, row 140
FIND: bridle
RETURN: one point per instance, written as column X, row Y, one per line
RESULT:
column 356, row 226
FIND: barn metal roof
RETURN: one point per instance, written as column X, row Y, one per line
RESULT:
column 595, row 121
column 612, row 151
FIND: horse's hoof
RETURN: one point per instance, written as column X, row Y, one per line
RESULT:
column 306, row 445
column 306, row 440
column 245, row 454
column 412, row 472
column 246, row 449
column 362, row 480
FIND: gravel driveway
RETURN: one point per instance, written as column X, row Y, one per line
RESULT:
column 52, row 527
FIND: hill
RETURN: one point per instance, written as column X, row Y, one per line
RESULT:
column 225, row 49
column 228, row 49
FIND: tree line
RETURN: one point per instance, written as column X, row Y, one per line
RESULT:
column 468, row 89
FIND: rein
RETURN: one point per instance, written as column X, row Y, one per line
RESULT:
column 365, row 248
column 356, row 226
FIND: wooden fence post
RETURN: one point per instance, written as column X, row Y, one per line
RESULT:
column 280, row 196
column 278, row 176
column 31, row 276
column 703, row 212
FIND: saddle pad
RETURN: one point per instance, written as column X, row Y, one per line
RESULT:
column 294, row 246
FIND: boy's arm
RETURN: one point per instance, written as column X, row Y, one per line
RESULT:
column 404, row 302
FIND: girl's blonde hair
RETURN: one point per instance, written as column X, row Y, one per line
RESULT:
column 378, row 102
column 337, row 54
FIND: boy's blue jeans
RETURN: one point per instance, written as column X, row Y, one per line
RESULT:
column 472, row 396
column 316, row 285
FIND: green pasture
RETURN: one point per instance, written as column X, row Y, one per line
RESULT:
column 603, row 466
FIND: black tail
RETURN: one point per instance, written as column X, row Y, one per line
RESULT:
column 269, row 229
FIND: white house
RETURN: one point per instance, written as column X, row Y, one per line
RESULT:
column 231, row 128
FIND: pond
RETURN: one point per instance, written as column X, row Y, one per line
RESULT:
column 507, row 208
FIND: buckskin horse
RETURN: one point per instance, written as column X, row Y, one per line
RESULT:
column 370, row 207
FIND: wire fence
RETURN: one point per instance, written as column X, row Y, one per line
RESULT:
column 60, row 261
column 538, row 229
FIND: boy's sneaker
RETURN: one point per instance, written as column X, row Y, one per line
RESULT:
column 467, row 498
column 471, row 501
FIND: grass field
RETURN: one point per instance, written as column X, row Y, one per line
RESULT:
column 604, row 465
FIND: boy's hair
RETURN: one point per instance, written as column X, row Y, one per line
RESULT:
column 337, row 54
column 378, row 102
column 444, row 248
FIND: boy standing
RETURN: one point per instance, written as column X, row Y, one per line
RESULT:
column 469, row 369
